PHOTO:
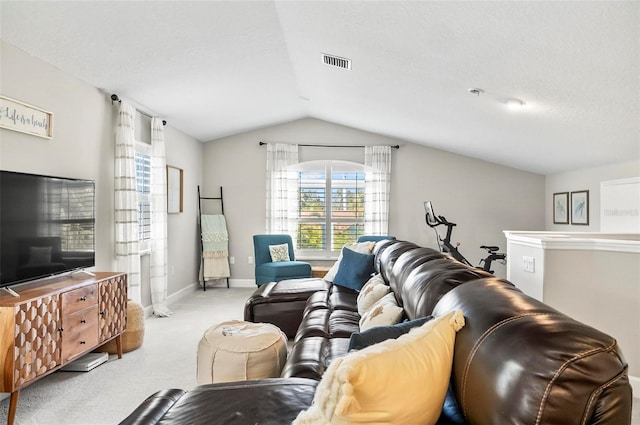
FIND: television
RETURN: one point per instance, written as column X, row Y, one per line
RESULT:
column 47, row 226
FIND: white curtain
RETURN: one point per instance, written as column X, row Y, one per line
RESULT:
column 158, row 221
column 377, row 160
column 282, row 189
column 126, row 201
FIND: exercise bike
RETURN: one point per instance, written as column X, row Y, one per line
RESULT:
column 445, row 244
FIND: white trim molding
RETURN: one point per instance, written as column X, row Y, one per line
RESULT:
column 615, row 242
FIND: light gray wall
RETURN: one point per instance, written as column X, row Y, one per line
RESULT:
column 82, row 146
column 482, row 198
column 585, row 179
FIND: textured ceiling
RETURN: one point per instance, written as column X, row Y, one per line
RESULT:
column 215, row 68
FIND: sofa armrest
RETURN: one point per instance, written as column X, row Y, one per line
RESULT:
column 154, row 408
column 264, row 401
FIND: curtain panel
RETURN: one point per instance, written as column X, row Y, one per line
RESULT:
column 282, row 189
column 126, row 201
column 159, row 254
column 377, row 160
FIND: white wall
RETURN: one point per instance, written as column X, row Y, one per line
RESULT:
column 482, row 198
column 585, row 179
column 82, row 146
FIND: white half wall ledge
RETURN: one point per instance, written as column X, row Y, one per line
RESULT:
column 580, row 241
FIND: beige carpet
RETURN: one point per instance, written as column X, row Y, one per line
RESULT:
column 167, row 359
column 107, row 394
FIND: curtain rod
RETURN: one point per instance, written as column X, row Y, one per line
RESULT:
column 115, row 98
column 334, row 146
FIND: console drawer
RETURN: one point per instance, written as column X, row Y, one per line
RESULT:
column 79, row 332
column 79, row 299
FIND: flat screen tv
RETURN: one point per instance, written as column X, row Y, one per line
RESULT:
column 47, row 226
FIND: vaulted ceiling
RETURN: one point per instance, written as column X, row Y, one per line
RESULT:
column 214, row 69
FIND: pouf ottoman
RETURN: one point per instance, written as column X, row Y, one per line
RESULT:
column 238, row 351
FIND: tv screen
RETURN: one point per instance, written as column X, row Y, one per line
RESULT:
column 47, row 226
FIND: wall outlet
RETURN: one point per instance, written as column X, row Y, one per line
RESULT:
column 528, row 264
column 232, row 260
column 249, row 260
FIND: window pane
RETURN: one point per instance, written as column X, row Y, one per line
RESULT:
column 345, row 233
column 143, row 187
column 144, row 220
column 311, row 236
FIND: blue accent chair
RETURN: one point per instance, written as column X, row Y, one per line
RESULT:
column 268, row 271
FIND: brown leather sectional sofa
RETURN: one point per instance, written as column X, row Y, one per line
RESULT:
column 516, row 361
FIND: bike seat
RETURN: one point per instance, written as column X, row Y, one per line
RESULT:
column 490, row 248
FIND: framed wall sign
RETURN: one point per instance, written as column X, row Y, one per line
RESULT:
column 25, row 118
column 580, row 207
column 174, row 189
column 561, row 208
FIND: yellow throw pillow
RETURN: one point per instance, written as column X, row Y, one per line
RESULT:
column 398, row 381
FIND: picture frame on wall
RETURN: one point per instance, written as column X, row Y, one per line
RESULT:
column 174, row 190
column 580, row 207
column 561, row 208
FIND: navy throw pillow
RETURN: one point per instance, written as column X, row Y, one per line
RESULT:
column 355, row 269
column 360, row 340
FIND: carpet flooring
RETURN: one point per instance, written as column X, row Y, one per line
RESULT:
column 167, row 359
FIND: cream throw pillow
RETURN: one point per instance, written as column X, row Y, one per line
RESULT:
column 279, row 252
column 383, row 312
column 361, row 247
column 372, row 291
column 398, row 381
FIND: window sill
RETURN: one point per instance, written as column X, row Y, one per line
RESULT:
column 316, row 258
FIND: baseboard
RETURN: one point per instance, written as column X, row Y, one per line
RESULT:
column 233, row 283
column 171, row 299
column 635, row 385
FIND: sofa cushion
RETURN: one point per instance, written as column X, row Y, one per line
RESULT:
column 385, row 312
column 355, row 269
column 378, row 384
column 371, row 292
column 360, row 340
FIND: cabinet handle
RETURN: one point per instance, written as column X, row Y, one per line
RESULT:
column 83, row 298
column 83, row 321
column 82, row 342
column 60, row 329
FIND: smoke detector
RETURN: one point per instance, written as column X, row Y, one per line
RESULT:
column 336, row 61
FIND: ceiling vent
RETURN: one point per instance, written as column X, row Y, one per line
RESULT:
column 332, row 60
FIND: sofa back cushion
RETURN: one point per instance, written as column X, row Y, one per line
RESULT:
column 407, row 262
column 388, row 253
column 520, row 361
column 426, row 283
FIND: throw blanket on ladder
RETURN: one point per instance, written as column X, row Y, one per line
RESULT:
column 215, row 246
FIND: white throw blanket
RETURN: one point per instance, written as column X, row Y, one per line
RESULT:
column 215, row 243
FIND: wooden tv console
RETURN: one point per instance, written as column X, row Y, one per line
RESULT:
column 54, row 322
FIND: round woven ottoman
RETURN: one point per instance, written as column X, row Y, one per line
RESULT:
column 239, row 351
column 133, row 336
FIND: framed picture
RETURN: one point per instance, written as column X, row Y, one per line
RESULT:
column 561, row 208
column 174, row 189
column 25, row 118
column 580, row 207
